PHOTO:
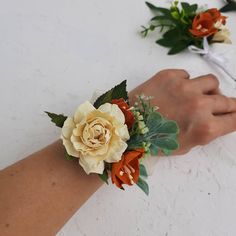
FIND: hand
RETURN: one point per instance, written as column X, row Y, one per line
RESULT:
column 201, row 112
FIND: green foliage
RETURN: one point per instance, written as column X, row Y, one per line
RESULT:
column 58, row 120
column 230, row 6
column 142, row 184
column 162, row 135
column 119, row 91
column 69, row 157
column 104, row 176
column 176, row 21
column 143, row 171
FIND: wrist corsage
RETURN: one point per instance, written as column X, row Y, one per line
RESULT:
column 111, row 138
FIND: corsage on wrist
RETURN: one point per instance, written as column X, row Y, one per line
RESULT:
column 111, row 138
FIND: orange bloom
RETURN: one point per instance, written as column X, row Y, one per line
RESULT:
column 204, row 24
column 216, row 15
column 126, row 171
column 129, row 116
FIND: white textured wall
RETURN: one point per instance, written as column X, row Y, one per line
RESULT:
column 53, row 55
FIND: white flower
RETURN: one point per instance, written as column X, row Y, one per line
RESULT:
column 219, row 24
column 222, row 36
column 95, row 135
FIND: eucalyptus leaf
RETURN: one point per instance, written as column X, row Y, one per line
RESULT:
column 154, row 150
column 142, row 184
column 143, row 171
column 169, row 127
column 166, row 143
column 166, row 152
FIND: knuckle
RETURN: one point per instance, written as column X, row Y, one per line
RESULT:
column 214, row 79
column 173, row 73
column 197, row 103
column 206, row 133
column 183, row 86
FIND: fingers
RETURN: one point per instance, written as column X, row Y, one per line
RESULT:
column 206, row 84
column 220, row 104
column 226, row 123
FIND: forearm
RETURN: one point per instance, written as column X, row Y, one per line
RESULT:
column 40, row 193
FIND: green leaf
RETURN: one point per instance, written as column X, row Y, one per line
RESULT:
column 154, row 120
column 143, row 171
column 154, row 150
column 230, row 6
column 194, row 8
column 142, row 184
column 173, row 34
column 178, row 48
column 104, row 176
column 160, row 18
column 186, row 7
column 166, row 143
column 136, row 141
column 152, row 7
column 165, row 43
column 167, row 152
column 162, row 133
column 69, row 157
column 189, row 9
column 119, row 91
column 169, row 127
column 58, row 120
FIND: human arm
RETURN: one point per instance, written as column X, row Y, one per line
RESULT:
column 40, row 193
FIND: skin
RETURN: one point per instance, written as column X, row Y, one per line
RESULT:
column 41, row 192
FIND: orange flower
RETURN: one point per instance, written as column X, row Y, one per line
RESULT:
column 205, row 24
column 126, row 171
column 216, row 15
column 129, row 116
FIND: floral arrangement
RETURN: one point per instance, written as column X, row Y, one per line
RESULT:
column 111, row 138
column 184, row 24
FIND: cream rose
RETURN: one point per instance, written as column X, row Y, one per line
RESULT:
column 222, row 36
column 95, row 135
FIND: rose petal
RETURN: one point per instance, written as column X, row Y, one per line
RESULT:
column 122, row 132
column 115, row 151
column 69, row 147
column 91, row 165
column 68, row 127
column 82, row 111
column 113, row 110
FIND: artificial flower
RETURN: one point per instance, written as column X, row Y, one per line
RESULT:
column 129, row 116
column 207, row 23
column 216, row 15
column 203, row 25
column 222, row 36
column 95, row 135
column 126, row 171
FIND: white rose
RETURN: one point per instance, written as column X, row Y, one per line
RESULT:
column 95, row 135
column 222, row 36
